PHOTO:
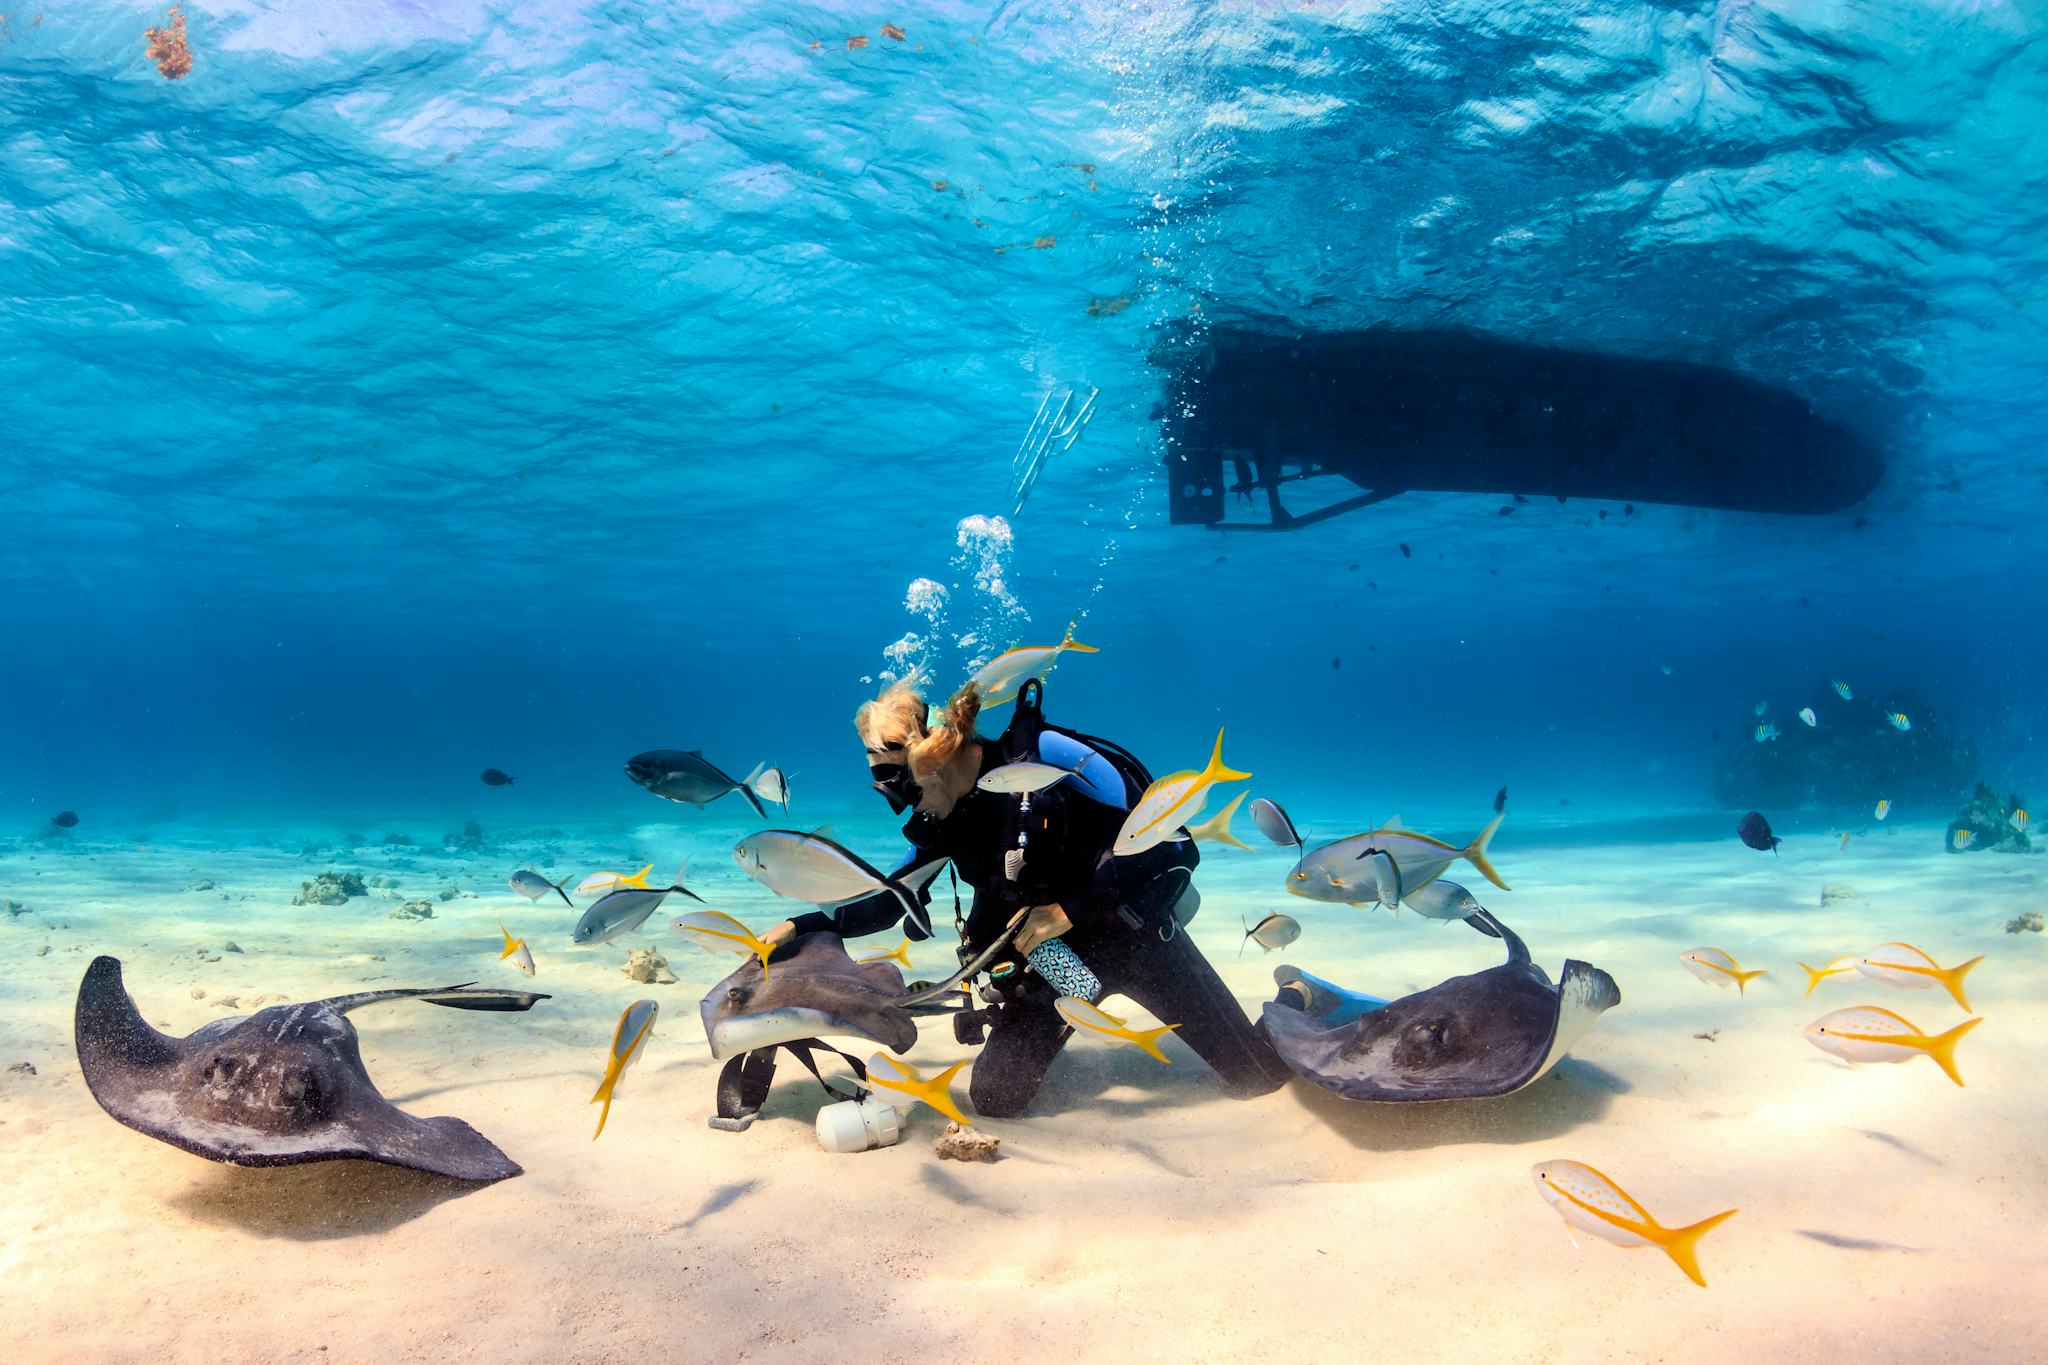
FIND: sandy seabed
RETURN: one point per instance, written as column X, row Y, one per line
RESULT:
column 1886, row 1215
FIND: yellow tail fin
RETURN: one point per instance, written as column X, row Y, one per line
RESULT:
column 1953, row 979
column 638, row 879
column 511, row 944
column 1218, row 771
column 1148, row 1038
column 1742, row 979
column 1814, row 976
column 604, row 1092
column 1943, row 1048
column 1475, row 853
column 1216, row 829
column 937, row 1093
column 1682, row 1244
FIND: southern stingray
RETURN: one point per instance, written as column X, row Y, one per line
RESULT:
column 813, row 991
column 1489, row 1033
column 280, row 1087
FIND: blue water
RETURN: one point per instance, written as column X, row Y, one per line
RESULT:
column 412, row 389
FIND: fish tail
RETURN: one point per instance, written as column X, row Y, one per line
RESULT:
column 1682, row 1244
column 937, row 1092
column 560, row 892
column 746, row 790
column 1068, row 641
column 511, row 945
column 682, row 875
column 639, row 878
column 1218, row 770
column 1814, row 976
column 1742, row 979
column 602, row 1114
column 1943, row 1048
column 1953, row 979
column 763, row 951
column 1475, row 853
column 1148, row 1038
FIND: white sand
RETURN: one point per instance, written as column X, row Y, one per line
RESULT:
column 1886, row 1214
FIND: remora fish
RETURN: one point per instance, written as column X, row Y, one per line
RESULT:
column 811, row 867
column 685, row 775
column 621, row 912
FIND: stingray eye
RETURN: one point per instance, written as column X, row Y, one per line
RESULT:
column 735, row 995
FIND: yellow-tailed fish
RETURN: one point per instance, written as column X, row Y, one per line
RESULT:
column 1868, row 1033
column 1001, row 677
column 627, row 1040
column 515, row 948
column 1216, row 829
column 1901, row 964
column 1900, row 720
column 614, row 881
column 1962, row 838
column 1884, row 808
column 1842, row 690
column 1171, row 802
column 1081, row 1015
column 901, row 953
column 715, row 931
column 899, row 1083
column 1714, row 966
column 1590, row 1202
column 1845, row 965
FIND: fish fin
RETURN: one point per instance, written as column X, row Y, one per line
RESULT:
column 822, row 832
column 1943, row 1048
column 1148, row 1038
column 1682, row 1244
column 511, row 945
column 1814, row 976
column 638, row 879
column 563, row 894
column 937, row 1092
column 751, row 777
column 1394, row 822
column 1077, row 647
column 1953, row 979
column 1742, row 979
column 1218, row 770
column 603, row 1113
column 1216, row 829
column 1475, row 854
column 747, row 791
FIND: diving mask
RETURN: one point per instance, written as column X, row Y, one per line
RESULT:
column 897, row 786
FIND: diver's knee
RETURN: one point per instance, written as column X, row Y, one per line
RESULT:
column 998, row 1096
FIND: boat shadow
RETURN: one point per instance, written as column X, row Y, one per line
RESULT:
column 1575, row 1094
column 319, row 1202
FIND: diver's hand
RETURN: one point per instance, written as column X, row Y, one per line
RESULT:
column 1041, row 923
column 780, row 934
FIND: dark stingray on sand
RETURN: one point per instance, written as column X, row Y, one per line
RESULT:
column 1490, row 1033
column 280, row 1087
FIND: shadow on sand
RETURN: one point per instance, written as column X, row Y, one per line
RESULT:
column 1573, row 1095
column 322, row 1201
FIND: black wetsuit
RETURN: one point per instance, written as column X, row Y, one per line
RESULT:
column 1118, row 906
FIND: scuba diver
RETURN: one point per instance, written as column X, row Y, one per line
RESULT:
column 1041, row 870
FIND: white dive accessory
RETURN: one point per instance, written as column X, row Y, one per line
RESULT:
column 859, row 1125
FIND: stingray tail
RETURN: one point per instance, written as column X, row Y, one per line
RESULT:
column 1475, row 852
column 1682, row 1244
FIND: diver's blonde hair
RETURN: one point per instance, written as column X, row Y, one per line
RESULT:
column 900, row 716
